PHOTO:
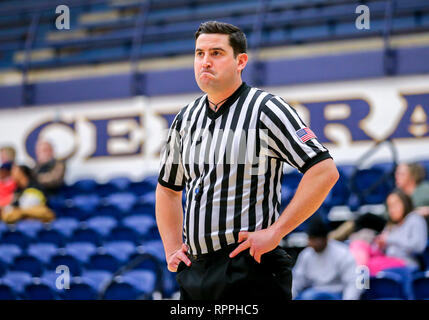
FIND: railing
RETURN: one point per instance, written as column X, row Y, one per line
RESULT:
column 361, row 194
column 137, row 76
column 131, row 266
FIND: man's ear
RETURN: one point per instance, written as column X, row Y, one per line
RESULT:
column 242, row 59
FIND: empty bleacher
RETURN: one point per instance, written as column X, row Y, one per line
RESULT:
column 103, row 227
column 107, row 31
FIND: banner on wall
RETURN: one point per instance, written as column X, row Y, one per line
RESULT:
column 125, row 137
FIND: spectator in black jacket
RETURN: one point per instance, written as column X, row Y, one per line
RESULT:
column 49, row 171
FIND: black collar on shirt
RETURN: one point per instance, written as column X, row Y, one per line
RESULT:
column 225, row 106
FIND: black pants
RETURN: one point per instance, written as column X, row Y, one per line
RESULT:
column 216, row 276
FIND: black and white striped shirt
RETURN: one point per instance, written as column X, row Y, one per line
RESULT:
column 231, row 163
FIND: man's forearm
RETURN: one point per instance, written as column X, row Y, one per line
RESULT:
column 310, row 194
column 169, row 217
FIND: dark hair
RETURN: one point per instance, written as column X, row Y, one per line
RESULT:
column 317, row 228
column 405, row 199
column 237, row 39
column 26, row 171
column 417, row 171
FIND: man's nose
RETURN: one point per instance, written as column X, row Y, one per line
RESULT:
column 206, row 62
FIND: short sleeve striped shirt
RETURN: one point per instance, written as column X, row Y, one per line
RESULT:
column 231, row 164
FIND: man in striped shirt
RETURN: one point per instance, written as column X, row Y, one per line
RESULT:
column 227, row 149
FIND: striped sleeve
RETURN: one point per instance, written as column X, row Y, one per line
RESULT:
column 171, row 172
column 283, row 135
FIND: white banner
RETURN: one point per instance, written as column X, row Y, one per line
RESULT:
column 124, row 137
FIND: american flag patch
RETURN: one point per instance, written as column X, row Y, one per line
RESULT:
column 305, row 134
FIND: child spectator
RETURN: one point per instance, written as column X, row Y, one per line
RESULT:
column 29, row 200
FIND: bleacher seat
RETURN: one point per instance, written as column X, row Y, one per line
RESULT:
column 7, row 293
column 121, row 291
column 110, row 210
column 65, row 225
column 29, row 227
column 406, row 274
column 120, row 184
column 366, row 178
column 103, row 261
column 98, row 279
column 8, row 252
column 123, row 233
column 385, row 286
column 141, row 187
column 121, row 250
column 39, row 291
column 123, row 201
column 102, row 224
column 82, row 251
column 340, row 193
column 3, row 268
column 420, row 286
column 134, row 285
column 42, row 251
column 17, row 280
column 79, row 290
column 153, row 247
column 50, row 236
column 146, row 262
column 86, row 202
column 64, row 259
column 57, row 202
column 85, row 234
column 29, row 264
column 51, row 277
column 144, row 207
column 143, row 280
column 15, row 237
column 3, row 227
column 140, row 223
column 85, row 186
column 148, row 198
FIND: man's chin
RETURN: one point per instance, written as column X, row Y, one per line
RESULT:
column 205, row 84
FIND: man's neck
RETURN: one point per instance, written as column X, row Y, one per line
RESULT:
column 409, row 188
column 216, row 98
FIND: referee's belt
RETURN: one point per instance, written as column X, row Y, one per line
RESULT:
column 214, row 254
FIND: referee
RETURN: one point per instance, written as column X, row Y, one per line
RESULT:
column 227, row 148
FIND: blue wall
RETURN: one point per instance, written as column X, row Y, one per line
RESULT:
column 335, row 67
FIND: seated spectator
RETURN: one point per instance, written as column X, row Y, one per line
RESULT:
column 404, row 236
column 49, row 172
column 7, row 154
column 410, row 179
column 7, row 184
column 29, row 200
column 325, row 269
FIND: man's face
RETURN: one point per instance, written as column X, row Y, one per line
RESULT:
column 395, row 208
column 215, row 66
column 317, row 243
column 402, row 176
column 44, row 152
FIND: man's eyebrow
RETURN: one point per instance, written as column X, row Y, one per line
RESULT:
column 211, row 49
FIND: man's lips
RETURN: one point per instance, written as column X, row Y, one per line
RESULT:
column 207, row 72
